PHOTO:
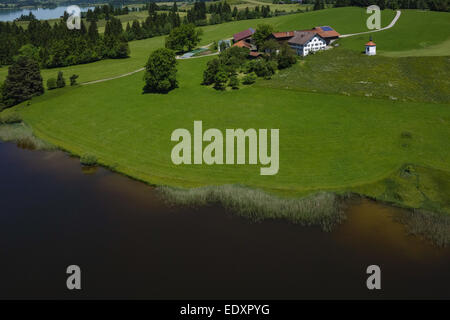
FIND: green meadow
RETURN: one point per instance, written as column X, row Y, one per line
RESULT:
column 389, row 149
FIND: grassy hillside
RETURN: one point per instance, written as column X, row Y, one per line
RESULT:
column 345, row 20
column 414, row 30
column 351, row 73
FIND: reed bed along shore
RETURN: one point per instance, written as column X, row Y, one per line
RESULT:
column 21, row 134
column 433, row 226
column 323, row 209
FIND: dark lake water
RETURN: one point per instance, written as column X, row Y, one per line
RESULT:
column 40, row 13
column 130, row 244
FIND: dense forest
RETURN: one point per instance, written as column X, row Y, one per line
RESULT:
column 57, row 46
column 161, row 23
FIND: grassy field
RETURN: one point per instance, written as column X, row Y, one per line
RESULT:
column 347, row 72
column 440, row 49
column 345, row 20
column 328, row 142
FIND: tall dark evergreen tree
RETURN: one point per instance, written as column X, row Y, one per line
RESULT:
column 60, row 81
column 24, row 81
column 93, row 32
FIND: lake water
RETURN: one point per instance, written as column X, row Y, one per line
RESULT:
column 130, row 244
column 40, row 13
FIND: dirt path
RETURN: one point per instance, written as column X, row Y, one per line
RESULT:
column 393, row 22
column 205, row 55
column 112, row 78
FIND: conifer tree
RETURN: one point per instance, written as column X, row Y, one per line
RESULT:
column 24, row 81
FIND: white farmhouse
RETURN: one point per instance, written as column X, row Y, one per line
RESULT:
column 371, row 48
column 305, row 42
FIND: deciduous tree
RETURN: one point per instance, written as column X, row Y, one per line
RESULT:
column 161, row 71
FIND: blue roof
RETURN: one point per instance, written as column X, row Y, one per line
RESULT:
column 326, row 28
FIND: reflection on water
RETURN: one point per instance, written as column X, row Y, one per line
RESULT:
column 130, row 244
column 374, row 226
column 89, row 169
column 26, row 144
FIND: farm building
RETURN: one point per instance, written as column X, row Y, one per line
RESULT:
column 243, row 35
column 282, row 36
column 304, row 42
column 245, row 44
column 327, row 33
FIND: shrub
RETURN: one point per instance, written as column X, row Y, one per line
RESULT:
column 51, row 84
column 262, row 68
column 212, row 67
column 73, row 79
column 220, row 80
column 406, row 135
column 88, row 159
column 249, row 78
column 60, row 81
column 286, row 57
column 233, row 82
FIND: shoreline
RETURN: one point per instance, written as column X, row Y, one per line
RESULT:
column 315, row 208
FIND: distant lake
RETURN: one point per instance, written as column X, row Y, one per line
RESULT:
column 40, row 13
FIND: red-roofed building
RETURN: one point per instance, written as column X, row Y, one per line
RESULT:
column 371, row 48
column 254, row 54
column 282, row 36
column 327, row 33
column 243, row 35
column 242, row 44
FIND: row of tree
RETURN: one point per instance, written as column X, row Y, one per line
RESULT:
column 222, row 12
column 24, row 81
column 57, row 46
column 105, row 12
column 434, row 5
column 162, row 23
column 156, row 24
column 30, row 16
